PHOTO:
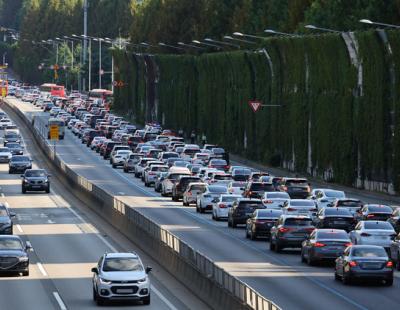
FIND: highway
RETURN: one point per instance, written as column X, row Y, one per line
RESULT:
column 68, row 240
column 279, row 277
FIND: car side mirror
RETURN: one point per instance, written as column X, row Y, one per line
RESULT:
column 95, row 270
column 21, row 175
column 148, row 269
column 13, row 214
column 28, row 247
column 49, row 175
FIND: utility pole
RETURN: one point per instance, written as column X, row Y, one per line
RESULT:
column 100, row 62
column 85, row 12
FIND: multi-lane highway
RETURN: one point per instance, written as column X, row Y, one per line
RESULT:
column 67, row 240
column 279, row 277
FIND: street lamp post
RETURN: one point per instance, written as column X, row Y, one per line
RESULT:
column 239, row 34
column 222, row 43
column 271, row 31
column 312, row 27
column 239, row 40
column 367, row 21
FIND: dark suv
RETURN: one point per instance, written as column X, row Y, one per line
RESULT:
column 290, row 231
column 296, row 187
column 242, row 209
column 180, row 186
column 338, row 218
column 19, row 163
column 35, row 180
column 108, row 149
column 257, row 189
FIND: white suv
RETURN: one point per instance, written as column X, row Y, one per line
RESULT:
column 121, row 276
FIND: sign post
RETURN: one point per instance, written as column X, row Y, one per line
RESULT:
column 54, row 135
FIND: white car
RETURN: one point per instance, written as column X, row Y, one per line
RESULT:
column 118, row 158
column 236, row 187
column 275, row 200
column 373, row 233
column 325, row 197
column 221, row 206
column 54, row 111
column 173, row 175
column 191, row 192
column 305, row 207
column 113, row 277
column 204, row 200
column 97, row 140
column 153, row 173
column 139, row 167
column 5, row 154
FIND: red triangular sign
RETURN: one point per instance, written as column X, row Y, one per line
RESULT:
column 255, row 105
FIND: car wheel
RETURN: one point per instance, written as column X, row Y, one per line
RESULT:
column 26, row 273
column 278, row 247
column 146, row 184
column 398, row 265
column 125, row 170
column 303, row 259
column 389, row 282
column 233, row 223
column 23, row 190
column 146, row 300
column 48, row 189
column 337, row 278
column 252, row 235
column 271, row 246
column 202, row 210
column 310, row 260
column 247, row 233
column 94, row 294
column 185, row 204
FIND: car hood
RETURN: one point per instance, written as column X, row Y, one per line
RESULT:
column 36, row 178
column 123, row 275
column 5, row 220
column 17, row 253
column 5, row 153
column 20, row 163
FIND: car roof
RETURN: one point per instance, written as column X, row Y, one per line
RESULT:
column 116, row 255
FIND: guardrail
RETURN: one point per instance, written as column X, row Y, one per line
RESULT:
column 215, row 286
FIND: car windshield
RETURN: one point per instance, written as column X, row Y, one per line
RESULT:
column 13, row 145
column 4, row 150
column 298, row 222
column 122, row 264
column 337, row 211
column 218, row 162
column 332, row 235
column 261, row 187
column 10, row 244
column 380, row 209
column 19, row 158
column 229, row 198
column 269, row 213
column 3, row 212
column 350, row 204
column 369, row 252
column 35, row 173
column 217, row 189
column 296, row 183
column 334, row 194
column 218, row 150
column 303, row 203
column 378, row 225
column 278, row 195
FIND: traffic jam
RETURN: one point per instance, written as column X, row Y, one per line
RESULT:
column 360, row 240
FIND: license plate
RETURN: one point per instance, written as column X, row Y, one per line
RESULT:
column 339, row 222
column 124, row 291
column 36, row 186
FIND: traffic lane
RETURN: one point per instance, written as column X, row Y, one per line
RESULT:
column 196, row 241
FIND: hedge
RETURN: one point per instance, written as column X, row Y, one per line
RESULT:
column 323, row 125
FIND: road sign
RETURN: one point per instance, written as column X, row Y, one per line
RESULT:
column 3, row 92
column 254, row 105
column 119, row 83
column 54, row 132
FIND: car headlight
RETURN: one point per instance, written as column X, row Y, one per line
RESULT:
column 23, row 258
column 104, row 281
column 46, row 181
column 142, row 280
column 26, row 181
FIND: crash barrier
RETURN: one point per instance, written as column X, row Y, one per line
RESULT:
column 216, row 287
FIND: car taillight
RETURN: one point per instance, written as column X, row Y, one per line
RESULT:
column 365, row 235
column 284, row 188
column 370, row 215
column 222, row 206
column 389, row 264
column 319, row 244
column 260, row 222
column 283, row 229
column 291, row 209
column 352, row 263
column 348, row 244
column 308, row 189
column 226, row 167
column 267, row 201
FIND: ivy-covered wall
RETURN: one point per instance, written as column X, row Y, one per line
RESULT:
column 325, row 125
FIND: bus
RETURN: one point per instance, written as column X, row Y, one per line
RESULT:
column 53, row 89
column 61, row 127
column 104, row 94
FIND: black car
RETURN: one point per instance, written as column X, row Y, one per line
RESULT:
column 257, row 189
column 242, row 209
column 351, row 204
column 19, row 163
column 324, row 244
column 374, row 212
column 13, row 255
column 11, row 137
column 290, row 231
column 180, row 186
column 15, row 148
column 6, row 223
column 35, row 180
column 296, row 187
column 395, row 251
column 260, row 222
column 395, row 220
column 338, row 218
column 364, row 262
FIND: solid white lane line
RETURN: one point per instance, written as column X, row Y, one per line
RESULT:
column 163, row 298
column 19, row 228
column 41, row 268
column 59, row 301
column 2, row 195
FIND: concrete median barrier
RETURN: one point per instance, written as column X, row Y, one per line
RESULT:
column 217, row 288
